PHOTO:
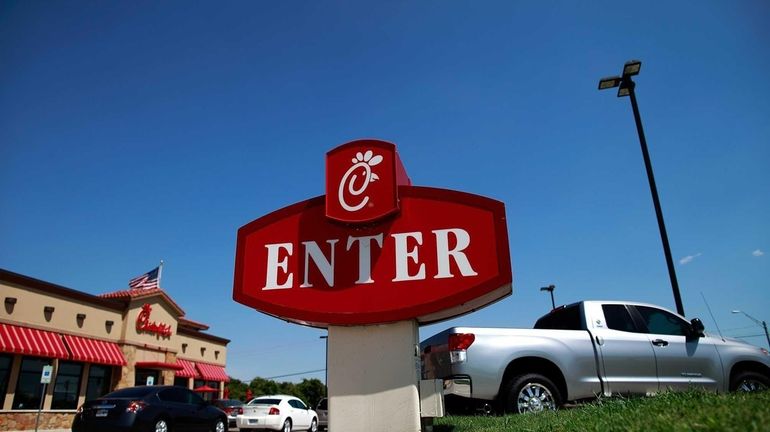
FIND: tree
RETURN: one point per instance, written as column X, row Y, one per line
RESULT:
column 312, row 391
column 237, row 389
column 309, row 390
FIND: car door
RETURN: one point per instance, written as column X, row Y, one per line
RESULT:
column 627, row 363
column 177, row 408
column 683, row 360
column 201, row 420
column 300, row 414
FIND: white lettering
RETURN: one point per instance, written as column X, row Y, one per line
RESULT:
column 451, row 246
column 273, row 253
column 365, row 256
column 443, row 252
column 403, row 256
column 312, row 251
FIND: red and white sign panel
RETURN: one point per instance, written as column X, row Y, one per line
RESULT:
column 362, row 179
column 444, row 255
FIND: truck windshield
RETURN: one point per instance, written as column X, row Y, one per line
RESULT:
column 565, row 318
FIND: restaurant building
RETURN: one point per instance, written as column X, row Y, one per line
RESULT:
column 96, row 344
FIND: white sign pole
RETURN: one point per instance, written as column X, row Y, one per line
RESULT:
column 45, row 379
column 373, row 378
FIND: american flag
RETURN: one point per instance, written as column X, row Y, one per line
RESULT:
column 146, row 281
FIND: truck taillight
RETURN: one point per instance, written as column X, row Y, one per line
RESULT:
column 461, row 341
column 274, row 411
column 458, row 344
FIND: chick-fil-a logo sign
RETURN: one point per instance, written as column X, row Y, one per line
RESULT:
column 350, row 187
column 143, row 323
column 362, row 179
column 375, row 249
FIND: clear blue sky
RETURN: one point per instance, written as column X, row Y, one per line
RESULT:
column 136, row 131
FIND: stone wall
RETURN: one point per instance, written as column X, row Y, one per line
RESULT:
column 25, row 420
column 127, row 373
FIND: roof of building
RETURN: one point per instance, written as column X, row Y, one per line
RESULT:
column 53, row 289
column 134, row 294
column 195, row 325
column 117, row 300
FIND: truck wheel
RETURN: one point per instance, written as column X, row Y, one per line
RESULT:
column 749, row 382
column 531, row 393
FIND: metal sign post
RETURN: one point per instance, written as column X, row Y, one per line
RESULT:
column 45, row 379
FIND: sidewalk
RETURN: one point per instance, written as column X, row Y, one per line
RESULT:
column 44, row 430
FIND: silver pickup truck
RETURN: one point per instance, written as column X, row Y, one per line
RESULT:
column 585, row 350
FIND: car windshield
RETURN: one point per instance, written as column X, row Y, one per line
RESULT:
column 131, row 392
column 323, row 404
column 266, row 401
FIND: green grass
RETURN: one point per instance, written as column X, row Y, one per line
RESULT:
column 688, row 411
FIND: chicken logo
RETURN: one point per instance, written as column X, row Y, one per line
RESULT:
column 355, row 187
column 362, row 179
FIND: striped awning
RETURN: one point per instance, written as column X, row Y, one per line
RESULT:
column 211, row 372
column 95, row 351
column 188, row 369
column 29, row 341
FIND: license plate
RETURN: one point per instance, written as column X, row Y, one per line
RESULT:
column 101, row 413
column 253, row 421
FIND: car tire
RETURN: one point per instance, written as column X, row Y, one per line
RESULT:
column 286, row 425
column 531, row 393
column 161, row 425
column 219, row 426
column 313, row 425
column 748, row 381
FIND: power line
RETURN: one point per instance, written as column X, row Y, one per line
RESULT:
column 741, row 328
column 296, row 373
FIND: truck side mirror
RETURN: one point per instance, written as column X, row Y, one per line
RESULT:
column 697, row 327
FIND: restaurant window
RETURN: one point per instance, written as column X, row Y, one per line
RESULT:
column 181, row 381
column 6, row 362
column 67, row 386
column 28, row 387
column 145, row 376
column 99, row 378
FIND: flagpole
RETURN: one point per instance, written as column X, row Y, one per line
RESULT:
column 160, row 272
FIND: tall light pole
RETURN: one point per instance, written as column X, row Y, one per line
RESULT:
column 761, row 323
column 326, row 367
column 550, row 289
column 626, row 88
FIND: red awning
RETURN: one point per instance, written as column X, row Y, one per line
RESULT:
column 205, row 389
column 95, row 351
column 188, row 369
column 211, row 372
column 158, row 365
column 25, row 340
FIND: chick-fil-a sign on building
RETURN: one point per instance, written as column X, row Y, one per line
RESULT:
column 375, row 249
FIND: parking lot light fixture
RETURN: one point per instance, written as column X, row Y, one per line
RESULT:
column 609, row 82
column 626, row 88
column 632, row 68
column 758, row 322
column 550, row 289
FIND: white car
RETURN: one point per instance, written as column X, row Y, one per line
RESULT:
column 277, row 412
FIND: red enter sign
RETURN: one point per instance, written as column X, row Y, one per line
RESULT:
column 443, row 254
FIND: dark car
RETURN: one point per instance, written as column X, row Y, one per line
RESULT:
column 149, row 408
column 231, row 407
